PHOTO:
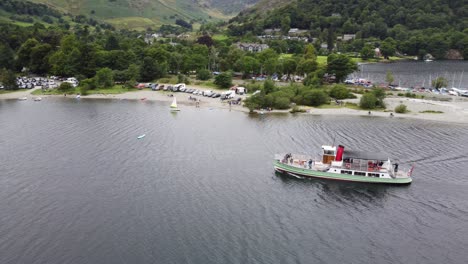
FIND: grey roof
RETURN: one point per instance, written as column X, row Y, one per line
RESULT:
column 366, row 155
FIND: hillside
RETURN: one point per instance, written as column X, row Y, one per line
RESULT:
column 417, row 26
column 140, row 14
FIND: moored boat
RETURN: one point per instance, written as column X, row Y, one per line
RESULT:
column 337, row 164
column 173, row 106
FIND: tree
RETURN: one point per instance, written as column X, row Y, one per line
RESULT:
column 8, row 79
column 105, row 78
column 205, row 40
column 285, row 24
column 388, row 48
column 268, row 87
column 6, row 56
column 40, row 58
column 224, row 80
column 341, row 66
column 24, row 52
column 203, row 74
column 310, row 52
column 112, row 43
column 389, row 78
column 439, row 82
column 289, row 67
column 248, row 65
column 148, row 69
column 367, row 52
column 307, row 66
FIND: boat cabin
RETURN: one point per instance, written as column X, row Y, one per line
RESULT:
column 329, row 154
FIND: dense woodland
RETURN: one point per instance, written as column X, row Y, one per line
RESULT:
column 417, row 27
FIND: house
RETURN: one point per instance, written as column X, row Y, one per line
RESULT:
column 150, row 38
column 347, row 37
column 252, row 47
column 296, row 32
column 272, row 31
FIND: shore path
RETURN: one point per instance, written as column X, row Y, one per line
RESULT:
column 454, row 111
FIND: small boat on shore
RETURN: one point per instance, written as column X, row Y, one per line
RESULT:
column 337, row 164
column 37, row 99
column 23, row 98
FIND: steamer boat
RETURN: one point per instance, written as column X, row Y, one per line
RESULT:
column 337, row 164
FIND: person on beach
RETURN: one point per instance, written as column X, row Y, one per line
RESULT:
column 391, row 114
column 370, row 113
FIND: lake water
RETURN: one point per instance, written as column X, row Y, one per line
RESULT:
column 417, row 73
column 77, row 186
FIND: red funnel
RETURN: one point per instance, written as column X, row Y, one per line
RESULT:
column 339, row 153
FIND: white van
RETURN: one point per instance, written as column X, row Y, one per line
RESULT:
column 180, row 85
column 207, row 93
column 73, row 81
column 241, row 90
column 228, row 94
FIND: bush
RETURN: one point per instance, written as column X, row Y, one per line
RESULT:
column 88, row 84
column 181, row 78
column 203, row 74
column 281, row 103
column 339, row 92
column 368, row 101
column 314, row 98
column 401, row 109
column 224, row 80
column 296, row 109
column 105, row 78
column 65, row 87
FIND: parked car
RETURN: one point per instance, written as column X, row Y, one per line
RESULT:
column 207, row 93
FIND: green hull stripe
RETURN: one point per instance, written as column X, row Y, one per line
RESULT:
column 335, row 176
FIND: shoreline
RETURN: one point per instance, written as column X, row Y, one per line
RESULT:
column 455, row 111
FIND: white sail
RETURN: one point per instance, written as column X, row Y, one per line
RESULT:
column 174, row 103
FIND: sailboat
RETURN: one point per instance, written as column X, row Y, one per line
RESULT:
column 174, row 107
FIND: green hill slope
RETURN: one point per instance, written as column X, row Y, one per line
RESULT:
column 417, row 26
column 148, row 13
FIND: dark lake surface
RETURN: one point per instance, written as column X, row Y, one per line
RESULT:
column 77, row 186
column 417, row 73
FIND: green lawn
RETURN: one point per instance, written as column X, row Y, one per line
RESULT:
column 220, row 37
column 117, row 89
column 10, row 91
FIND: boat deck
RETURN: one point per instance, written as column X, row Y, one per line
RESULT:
column 302, row 161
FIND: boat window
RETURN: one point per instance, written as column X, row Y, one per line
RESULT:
column 374, row 175
column 328, row 152
column 346, row 172
column 359, row 173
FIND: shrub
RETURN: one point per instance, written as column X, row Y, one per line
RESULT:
column 88, row 84
column 105, row 78
column 339, row 92
column 315, row 98
column 282, row 103
column 203, row 74
column 65, row 87
column 368, row 101
column 296, row 109
column 224, row 80
column 401, row 109
column 181, row 78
